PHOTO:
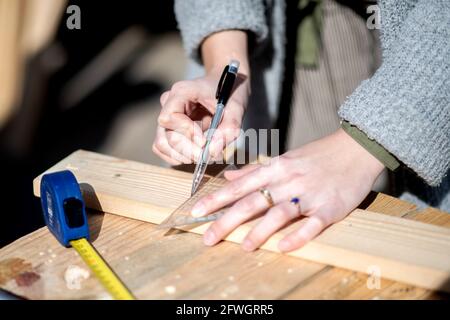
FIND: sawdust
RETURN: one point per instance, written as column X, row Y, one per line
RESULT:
column 53, row 255
column 170, row 289
column 260, row 264
column 290, row 270
column 231, row 278
column 177, row 277
column 41, row 253
column 74, row 275
column 127, row 258
column 120, row 233
column 49, row 250
column 231, row 289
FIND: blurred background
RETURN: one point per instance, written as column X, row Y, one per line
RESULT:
column 94, row 88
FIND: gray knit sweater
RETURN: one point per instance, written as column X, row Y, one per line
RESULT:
column 405, row 106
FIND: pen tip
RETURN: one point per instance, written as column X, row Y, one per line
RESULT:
column 194, row 188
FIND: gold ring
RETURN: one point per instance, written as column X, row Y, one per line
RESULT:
column 266, row 194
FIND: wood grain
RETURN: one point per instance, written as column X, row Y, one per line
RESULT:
column 407, row 251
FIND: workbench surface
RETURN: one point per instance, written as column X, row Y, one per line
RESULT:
column 155, row 265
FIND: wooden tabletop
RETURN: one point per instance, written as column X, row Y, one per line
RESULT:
column 179, row 266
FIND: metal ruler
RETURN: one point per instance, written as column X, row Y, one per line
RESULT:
column 182, row 217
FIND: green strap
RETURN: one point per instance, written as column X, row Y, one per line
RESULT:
column 309, row 34
column 372, row 146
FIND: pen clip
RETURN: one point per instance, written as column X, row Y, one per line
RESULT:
column 221, row 81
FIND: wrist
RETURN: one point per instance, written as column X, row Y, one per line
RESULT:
column 358, row 155
column 220, row 48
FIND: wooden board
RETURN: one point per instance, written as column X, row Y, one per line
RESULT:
column 402, row 250
column 150, row 262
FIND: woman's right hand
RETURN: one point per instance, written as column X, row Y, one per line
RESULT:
column 187, row 110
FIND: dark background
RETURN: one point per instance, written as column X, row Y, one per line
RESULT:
column 43, row 132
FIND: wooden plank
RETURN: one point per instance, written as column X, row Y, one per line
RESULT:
column 149, row 263
column 407, row 251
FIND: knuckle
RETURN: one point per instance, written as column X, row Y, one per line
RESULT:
column 236, row 188
column 158, row 144
column 163, row 119
column 180, row 86
column 174, row 139
column 244, row 206
column 278, row 214
column 234, row 124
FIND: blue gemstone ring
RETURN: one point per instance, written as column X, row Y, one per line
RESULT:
column 296, row 202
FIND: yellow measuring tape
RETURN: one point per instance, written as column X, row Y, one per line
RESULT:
column 101, row 270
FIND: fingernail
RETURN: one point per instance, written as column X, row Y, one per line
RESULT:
column 284, row 245
column 198, row 210
column 209, row 238
column 247, row 245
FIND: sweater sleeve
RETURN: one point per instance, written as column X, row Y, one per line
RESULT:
column 405, row 106
column 199, row 18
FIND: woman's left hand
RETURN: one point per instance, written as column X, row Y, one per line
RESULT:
column 330, row 176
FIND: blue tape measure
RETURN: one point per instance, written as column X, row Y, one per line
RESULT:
column 65, row 215
column 63, row 207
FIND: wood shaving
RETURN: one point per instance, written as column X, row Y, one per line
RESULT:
column 170, row 289
column 74, row 275
column 231, row 289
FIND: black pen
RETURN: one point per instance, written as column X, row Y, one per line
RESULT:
column 223, row 93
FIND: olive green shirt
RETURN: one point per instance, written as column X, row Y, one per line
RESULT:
column 371, row 145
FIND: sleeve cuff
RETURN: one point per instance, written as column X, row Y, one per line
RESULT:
column 371, row 146
column 197, row 19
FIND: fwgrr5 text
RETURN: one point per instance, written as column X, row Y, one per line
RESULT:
column 236, row 309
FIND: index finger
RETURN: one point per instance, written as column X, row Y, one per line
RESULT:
column 233, row 191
